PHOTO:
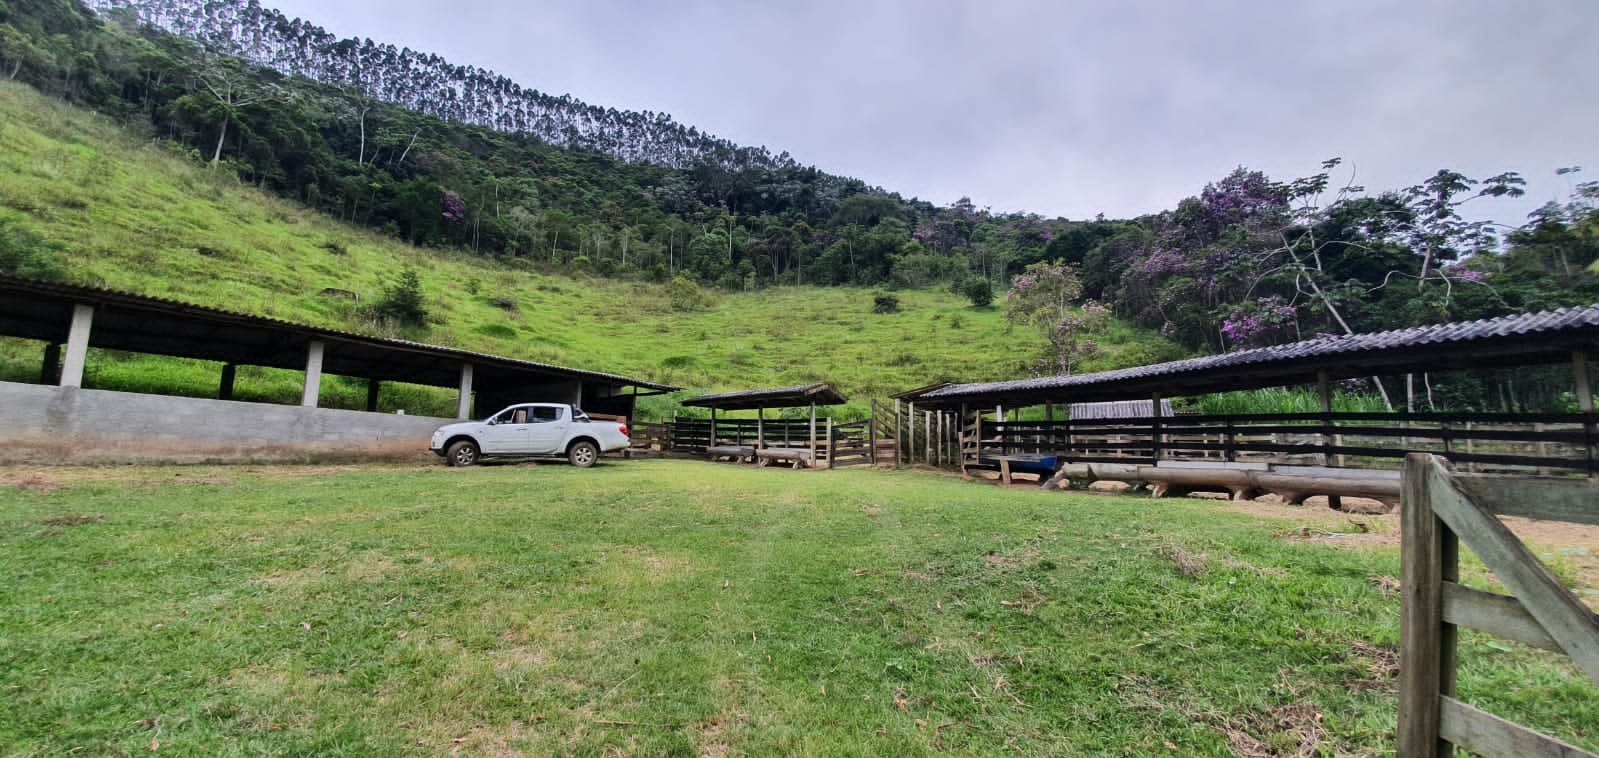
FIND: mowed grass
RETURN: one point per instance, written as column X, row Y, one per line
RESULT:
column 133, row 215
column 663, row 607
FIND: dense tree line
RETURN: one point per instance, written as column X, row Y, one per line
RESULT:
column 445, row 155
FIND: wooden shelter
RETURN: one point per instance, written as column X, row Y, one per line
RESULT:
column 765, row 441
column 1313, row 443
column 77, row 318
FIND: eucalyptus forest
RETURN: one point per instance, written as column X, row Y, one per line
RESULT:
column 448, row 156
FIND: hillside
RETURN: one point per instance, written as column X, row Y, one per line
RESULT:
column 130, row 214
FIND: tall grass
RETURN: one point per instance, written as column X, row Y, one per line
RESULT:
column 1284, row 400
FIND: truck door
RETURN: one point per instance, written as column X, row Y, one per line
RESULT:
column 547, row 432
column 509, row 433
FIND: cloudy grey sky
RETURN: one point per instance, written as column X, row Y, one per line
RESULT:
column 1061, row 108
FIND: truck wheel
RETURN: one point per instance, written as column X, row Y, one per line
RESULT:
column 461, row 453
column 583, row 454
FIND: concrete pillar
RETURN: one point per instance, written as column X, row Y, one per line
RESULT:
column 77, row 346
column 372, row 388
column 50, row 370
column 230, row 372
column 313, row 374
column 463, row 401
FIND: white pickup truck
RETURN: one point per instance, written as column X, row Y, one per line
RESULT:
column 528, row 430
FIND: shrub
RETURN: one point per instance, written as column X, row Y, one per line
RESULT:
column 24, row 253
column 685, row 295
column 885, row 302
column 403, row 302
column 980, row 291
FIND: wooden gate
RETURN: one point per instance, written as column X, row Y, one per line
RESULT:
column 849, row 444
column 1441, row 509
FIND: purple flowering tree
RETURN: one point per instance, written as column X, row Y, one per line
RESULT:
column 453, row 208
column 1043, row 296
column 1260, row 322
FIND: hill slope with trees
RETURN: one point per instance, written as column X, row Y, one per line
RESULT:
column 84, row 200
column 466, row 164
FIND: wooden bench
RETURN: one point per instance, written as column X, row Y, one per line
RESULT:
column 1038, row 464
column 799, row 457
column 734, row 453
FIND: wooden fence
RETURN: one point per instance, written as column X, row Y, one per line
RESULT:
column 923, row 436
column 1441, row 509
column 693, row 436
column 1483, row 441
column 849, row 444
column 649, row 438
column 835, row 445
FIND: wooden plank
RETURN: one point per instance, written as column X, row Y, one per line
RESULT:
column 1500, row 615
column 1334, row 471
column 1488, row 735
column 1216, row 465
column 1421, row 614
column 1573, row 500
column 1569, row 622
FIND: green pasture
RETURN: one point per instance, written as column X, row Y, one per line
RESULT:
column 667, row 607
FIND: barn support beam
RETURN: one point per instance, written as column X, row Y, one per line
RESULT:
column 313, row 374
column 230, row 374
column 1324, row 389
column 463, row 400
column 813, row 427
column 50, row 370
column 1579, row 366
column 77, row 346
column 373, row 386
column 1156, row 437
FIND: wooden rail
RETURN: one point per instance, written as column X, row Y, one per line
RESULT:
column 1441, row 509
column 786, row 440
column 1496, row 441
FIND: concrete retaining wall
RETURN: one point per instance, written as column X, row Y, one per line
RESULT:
column 47, row 424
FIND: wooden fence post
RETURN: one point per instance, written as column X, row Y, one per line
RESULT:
column 832, row 442
column 1425, row 648
column 899, row 433
column 1157, row 441
column 871, row 434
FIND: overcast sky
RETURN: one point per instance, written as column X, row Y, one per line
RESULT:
column 1064, row 109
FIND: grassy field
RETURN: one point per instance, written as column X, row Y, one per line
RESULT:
column 678, row 607
column 131, row 215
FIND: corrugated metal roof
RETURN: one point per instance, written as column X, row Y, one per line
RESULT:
column 1542, row 337
column 776, row 397
column 1114, row 409
column 26, row 299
